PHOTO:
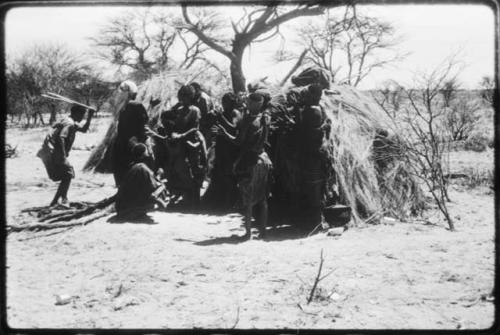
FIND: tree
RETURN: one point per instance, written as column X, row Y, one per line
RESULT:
column 461, row 118
column 128, row 40
column 350, row 46
column 93, row 90
column 257, row 25
column 389, row 97
column 449, row 91
column 42, row 68
column 144, row 42
column 425, row 147
column 487, row 87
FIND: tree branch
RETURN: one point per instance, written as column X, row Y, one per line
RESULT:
column 295, row 67
column 206, row 39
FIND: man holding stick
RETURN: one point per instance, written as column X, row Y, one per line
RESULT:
column 56, row 147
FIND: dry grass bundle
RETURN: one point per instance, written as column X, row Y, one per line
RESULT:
column 163, row 87
column 370, row 189
column 100, row 157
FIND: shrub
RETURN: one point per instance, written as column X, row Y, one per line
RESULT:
column 476, row 142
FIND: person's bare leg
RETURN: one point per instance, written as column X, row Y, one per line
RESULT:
column 57, row 195
column 262, row 215
column 64, row 190
column 248, row 222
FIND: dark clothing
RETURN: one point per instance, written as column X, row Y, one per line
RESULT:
column 312, row 160
column 134, row 193
column 56, row 164
column 132, row 123
column 132, row 120
column 254, row 187
column 205, row 105
column 186, row 118
column 226, row 151
column 252, row 167
column 222, row 191
column 311, row 132
column 251, row 138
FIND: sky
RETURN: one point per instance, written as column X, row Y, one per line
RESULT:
column 430, row 33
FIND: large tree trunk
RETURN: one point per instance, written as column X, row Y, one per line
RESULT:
column 237, row 77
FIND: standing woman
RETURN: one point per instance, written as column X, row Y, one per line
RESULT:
column 252, row 166
column 132, row 129
column 186, row 122
column 222, row 191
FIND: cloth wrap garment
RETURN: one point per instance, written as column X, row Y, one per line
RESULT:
column 55, row 163
column 252, row 167
column 134, row 193
column 131, row 125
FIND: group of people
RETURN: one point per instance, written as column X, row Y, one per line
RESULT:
column 170, row 158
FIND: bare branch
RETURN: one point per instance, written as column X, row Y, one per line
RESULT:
column 295, row 67
column 201, row 35
column 317, row 279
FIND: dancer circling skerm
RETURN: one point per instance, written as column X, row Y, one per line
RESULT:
column 56, row 147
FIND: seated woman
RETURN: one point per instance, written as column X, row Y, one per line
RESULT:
column 139, row 190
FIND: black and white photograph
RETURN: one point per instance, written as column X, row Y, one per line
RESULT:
column 283, row 166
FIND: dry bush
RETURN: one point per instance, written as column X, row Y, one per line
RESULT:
column 477, row 142
column 462, row 117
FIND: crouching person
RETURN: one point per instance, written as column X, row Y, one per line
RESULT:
column 56, row 147
column 139, row 191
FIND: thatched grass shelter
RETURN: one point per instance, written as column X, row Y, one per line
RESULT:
column 363, row 151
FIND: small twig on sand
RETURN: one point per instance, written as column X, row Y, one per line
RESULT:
column 329, row 273
column 314, row 230
column 317, row 279
column 119, row 291
column 237, row 318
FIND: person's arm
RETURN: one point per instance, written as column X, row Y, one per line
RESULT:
column 225, row 123
column 194, row 123
column 151, row 133
column 179, row 136
column 86, row 126
column 193, row 145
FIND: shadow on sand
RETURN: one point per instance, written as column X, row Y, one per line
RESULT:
column 278, row 233
column 138, row 219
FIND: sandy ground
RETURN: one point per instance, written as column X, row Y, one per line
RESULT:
column 185, row 270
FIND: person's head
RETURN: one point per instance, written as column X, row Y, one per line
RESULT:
column 255, row 102
column 186, row 94
column 77, row 112
column 241, row 100
column 229, row 101
column 196, row 86
column 168, row 121
column 139, row 153
column 130, row 87
column 266, row 95
column 197, row 90
column 312, row 75
column 314, row 94
column 313, row 116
